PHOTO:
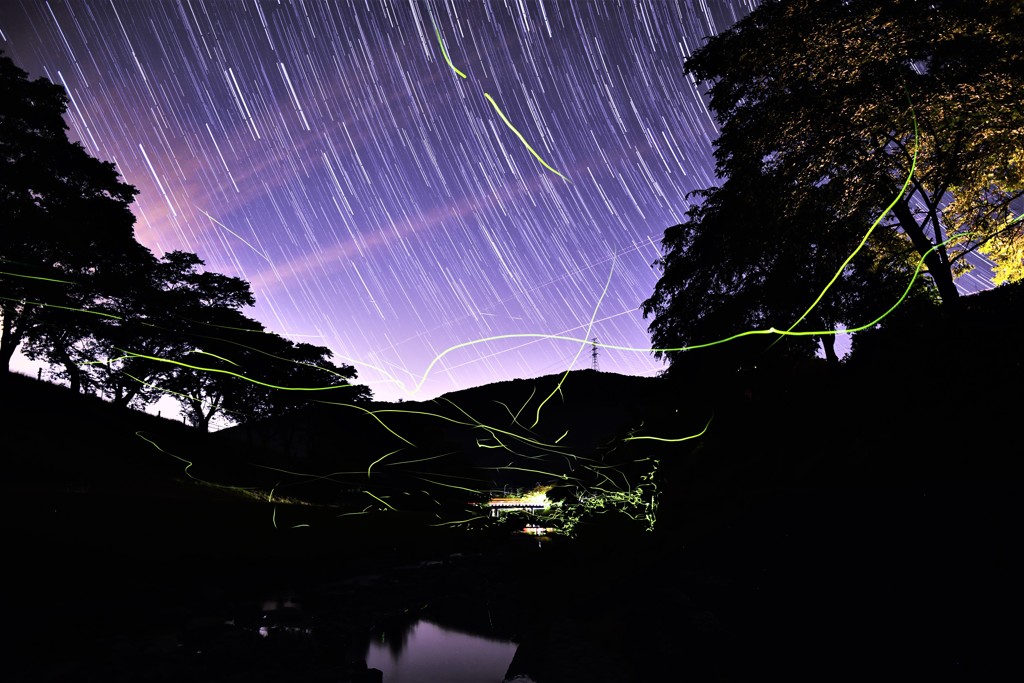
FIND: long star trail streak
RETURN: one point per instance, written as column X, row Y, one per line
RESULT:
column 383, row 211
column 316, row 150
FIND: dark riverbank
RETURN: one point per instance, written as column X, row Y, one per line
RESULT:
column 848, row 525
column 840, row 584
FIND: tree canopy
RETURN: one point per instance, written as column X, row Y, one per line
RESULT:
column 80, row 293
column 67, row 239
column 826, row 108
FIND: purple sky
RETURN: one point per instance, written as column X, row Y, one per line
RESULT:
column 375, row 199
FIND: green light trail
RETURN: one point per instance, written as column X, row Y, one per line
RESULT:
column 665, row 440
column 213, row 355
column 445, row 53
column 378, row 460
column 63, row 308
column 522, row 139
column 382, row 502
column 154, row 444
column 867, row 235
column 494, row 104
column 38, row 277
column 451, row 486
column 590, row 325
column 130, row 354
column 373, row 414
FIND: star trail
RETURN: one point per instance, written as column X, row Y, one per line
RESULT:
column 384, row 174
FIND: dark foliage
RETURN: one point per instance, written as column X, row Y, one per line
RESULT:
column 826, row 109
column 80, row 293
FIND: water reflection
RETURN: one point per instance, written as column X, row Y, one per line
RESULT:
column 424, row 652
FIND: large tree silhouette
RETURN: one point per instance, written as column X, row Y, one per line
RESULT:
column 123, row 357
column 239, row 371
column 742, row 262
column 814, row 94
column 79, row 292
column 67, row 238
column 184, row 334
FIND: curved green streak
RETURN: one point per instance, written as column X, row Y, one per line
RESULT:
column 445, row 53
column 270, row 355
column 378, row 460
column 37, row 277
column 251, row 348
column 373, row 414
column 451, row 486
column 229, row 372
column 409, row 462
column 563, row 477
column 590, row 325
column 522, row 139
column 213, row 355
column 820, row 333
column 223, row 327
column 477, row 424
column 160, row 388
column 515, row 418
column 63, row 308
column 155, row 445
column 658, row 438
column 306, row 475
column 864, row 240
column 378, row 499
column 460, row 521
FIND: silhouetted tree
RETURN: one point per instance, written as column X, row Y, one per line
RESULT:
column 242, row 372
column 301, row 373
column 817, row 100
column 82, row 294
column 749, row 258
column 127, row 361
column 67, row 240
column 185, row 335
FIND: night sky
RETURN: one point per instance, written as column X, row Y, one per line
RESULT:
column 376, row 200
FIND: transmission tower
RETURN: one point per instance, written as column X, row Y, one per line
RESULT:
column 593, row 354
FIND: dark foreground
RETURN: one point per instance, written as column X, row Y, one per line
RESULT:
column 917, row 582
column 864, row 525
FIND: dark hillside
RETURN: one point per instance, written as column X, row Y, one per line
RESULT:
column 482, row 438
column 830, row 523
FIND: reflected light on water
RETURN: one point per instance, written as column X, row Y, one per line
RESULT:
column 431, row 653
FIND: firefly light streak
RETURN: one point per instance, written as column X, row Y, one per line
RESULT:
column 867, row 235
column 639, row 503
column 593, row 499
column 504, row 118
column 320, row 151
column 379, row 211
column 635, row 502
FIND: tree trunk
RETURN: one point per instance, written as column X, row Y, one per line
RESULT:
column 9, row 339
column 199, row 419
column 6, row 353
column 73, row 379
column 938, row 268
column 119, row 399
column 71, row 368
column 828, row 345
